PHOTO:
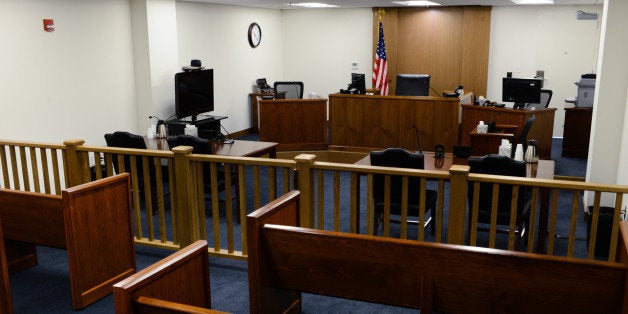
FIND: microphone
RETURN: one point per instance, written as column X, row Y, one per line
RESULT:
column 418, row 140
column 228, row 139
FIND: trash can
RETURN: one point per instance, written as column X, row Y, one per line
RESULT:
column 604, row 228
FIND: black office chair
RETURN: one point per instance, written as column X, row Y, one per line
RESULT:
column 293, row 90
column 501, row 165
column 129, row 140
column 401, row 158
column 126, row 140
column 203, row 146
column 523, row 137
column 546, row 97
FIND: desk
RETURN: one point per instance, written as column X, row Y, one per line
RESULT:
column 544, row 169
column 238, row 148
column 541, row 130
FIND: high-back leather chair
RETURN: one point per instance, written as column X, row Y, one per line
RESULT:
column 546, row 97
column 126, row 140
column 203, row 146
column 199, row 146
column 523, row 138
column 293, row 90
column 401, row 158
column 501, row 165
column 129, row 140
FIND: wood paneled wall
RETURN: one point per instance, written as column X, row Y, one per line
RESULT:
column 451, row 44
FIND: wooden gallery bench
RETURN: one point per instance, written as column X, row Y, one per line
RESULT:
column 285, row 260
column 6, row 303
column 91, row 221
column 178, row 283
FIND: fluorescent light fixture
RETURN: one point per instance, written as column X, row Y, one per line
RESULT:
column 313, row 5
column 533, row 1
column 417, row 3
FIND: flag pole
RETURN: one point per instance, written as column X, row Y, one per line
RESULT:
column 380, row 65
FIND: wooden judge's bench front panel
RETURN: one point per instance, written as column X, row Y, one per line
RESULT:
column 387, row 121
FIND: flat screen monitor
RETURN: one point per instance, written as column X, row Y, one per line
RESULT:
column 521, row 91
column 358, row 82
column 413, row 85
column 193, row 93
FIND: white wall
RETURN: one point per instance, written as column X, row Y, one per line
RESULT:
column 550, row 38
column 319, row 47
column 217, row 35
column 76, row 82
column 609, row 141
column 79, row 80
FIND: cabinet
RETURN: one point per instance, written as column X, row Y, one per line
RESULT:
column 208, row 126
column 577, row 131
column 541, row 130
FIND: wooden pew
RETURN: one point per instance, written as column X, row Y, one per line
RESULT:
column 6, row 303
column 92, row 221
column 285, row 260
column 178, row 283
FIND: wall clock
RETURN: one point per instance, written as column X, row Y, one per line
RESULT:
column 255, row 35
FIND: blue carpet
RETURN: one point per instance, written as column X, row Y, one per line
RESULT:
column 46, row 287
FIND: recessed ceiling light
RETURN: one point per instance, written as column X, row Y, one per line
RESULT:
column 417, row 3
column 533, row 1
column 313, row 5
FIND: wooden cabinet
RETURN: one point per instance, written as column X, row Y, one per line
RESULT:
column 577, row 131
column 541, row 130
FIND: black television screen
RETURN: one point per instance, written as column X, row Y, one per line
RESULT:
column 521, row 91
column 193, row 93
column 413, row 85
column 358, row 82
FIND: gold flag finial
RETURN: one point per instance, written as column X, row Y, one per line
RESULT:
column 380, row 12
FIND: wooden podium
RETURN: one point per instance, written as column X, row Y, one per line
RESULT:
column 541, row 130
column 255, row 98
column 296, row 124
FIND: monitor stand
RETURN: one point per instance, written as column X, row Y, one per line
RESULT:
column 199, row 117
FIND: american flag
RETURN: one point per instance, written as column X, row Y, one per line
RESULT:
column 380, row 67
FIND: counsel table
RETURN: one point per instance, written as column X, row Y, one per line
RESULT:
column 237, row 148
column 544, row 169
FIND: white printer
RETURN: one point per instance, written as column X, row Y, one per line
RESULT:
column 586, row 91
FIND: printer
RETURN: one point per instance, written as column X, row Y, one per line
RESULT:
column 586, row 91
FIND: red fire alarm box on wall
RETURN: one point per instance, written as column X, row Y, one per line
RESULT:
column 49, row 25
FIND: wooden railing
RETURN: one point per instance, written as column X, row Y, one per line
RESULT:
column 29, row 166
column 176, row 178
column 171, row 208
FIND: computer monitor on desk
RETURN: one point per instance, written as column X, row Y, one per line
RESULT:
column 521, row 91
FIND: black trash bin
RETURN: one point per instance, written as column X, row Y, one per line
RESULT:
column 604, row 228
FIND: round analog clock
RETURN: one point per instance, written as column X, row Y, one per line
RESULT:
column 255, row 35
